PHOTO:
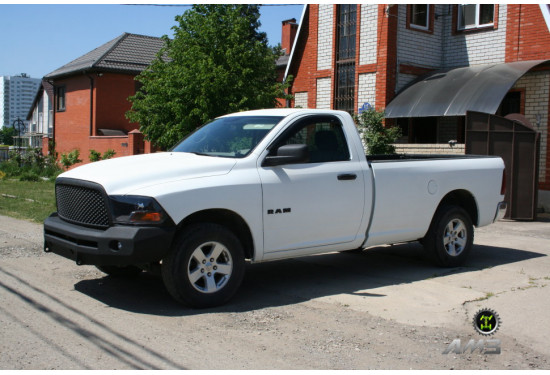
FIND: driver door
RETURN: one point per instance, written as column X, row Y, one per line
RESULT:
column 317, row 203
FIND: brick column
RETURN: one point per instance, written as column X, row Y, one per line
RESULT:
column 45, row 145
column 387, row 55
column 135, row 142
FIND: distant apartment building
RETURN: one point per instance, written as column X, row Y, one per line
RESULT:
column 16, row 98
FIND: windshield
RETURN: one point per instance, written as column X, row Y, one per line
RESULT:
column 231, row 137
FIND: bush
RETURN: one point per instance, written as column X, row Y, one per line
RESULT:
column 378, row 139
column 71, row 158
column 109, row 154
column 29, row 162
column 29, row 176
column 94, row 156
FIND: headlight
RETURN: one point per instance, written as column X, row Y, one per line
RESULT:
column 133, row 209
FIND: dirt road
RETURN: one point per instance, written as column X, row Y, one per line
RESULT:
column 385, row 308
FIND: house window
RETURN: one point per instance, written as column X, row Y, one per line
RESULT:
column 60, row 98
column 345, row 57
column 472, row 16
column 420, row 16
column 345, row 86
column 347, row 20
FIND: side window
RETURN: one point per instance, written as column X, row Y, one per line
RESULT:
column 323, row 135
column 472, row 16
column 420, row 17
column 60, row 98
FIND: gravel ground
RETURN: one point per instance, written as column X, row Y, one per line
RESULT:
column 385, row 308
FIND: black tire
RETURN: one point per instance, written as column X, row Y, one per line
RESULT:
column 120, row 271
column 205, row 266
column 450, row 237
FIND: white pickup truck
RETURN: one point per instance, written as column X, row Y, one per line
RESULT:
column 260, row 186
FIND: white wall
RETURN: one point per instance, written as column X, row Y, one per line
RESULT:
column 324, row 37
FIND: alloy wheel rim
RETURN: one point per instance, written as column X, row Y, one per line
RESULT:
column 455, row 237
column 210, row 267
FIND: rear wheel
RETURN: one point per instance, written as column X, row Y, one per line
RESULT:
column 205, row 266
column 450, row 237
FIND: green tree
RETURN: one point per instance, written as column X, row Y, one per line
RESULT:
column 378, row 138
column 6, row 136
column 218, row 62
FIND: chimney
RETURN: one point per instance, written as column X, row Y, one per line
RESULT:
column 289, row 29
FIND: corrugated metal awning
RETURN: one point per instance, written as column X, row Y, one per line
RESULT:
column 452, row 92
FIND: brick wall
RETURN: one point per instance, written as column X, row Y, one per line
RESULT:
column 111, row 96
column 72, row 126
column 403, row 80
column 527, row 37
column 102, row 144
column 323, row 93
column 537, row 96
column 477, row 47
column 300, row 99
column 418, row 47
column 430, row 149
column 324, row 35
column 366, row 89
column 304, row 63
column 368, row 35
column 386, row 63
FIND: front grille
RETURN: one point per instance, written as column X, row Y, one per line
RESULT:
column 82, row 203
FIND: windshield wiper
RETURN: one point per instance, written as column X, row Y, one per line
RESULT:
column 200, row 153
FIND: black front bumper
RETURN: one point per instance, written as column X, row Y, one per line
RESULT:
column 117, row 245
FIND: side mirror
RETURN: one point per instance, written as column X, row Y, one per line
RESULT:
column 288, row 154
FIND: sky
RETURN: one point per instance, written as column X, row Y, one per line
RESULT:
column 36, row 39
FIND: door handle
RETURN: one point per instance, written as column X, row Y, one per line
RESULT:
column 347, row 177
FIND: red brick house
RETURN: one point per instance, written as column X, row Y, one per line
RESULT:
column 90, row 97
column 391, row 56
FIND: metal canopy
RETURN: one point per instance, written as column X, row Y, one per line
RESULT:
column 452, row 92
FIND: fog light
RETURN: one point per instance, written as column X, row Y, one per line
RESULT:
column 115, row 245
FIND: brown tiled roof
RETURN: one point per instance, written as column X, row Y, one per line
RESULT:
column 128, row 53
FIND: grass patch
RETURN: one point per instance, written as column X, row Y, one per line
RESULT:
column 30, row 200
column 486, row 297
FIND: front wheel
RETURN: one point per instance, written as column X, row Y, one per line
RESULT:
column 205, row 266
column 450, row 237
